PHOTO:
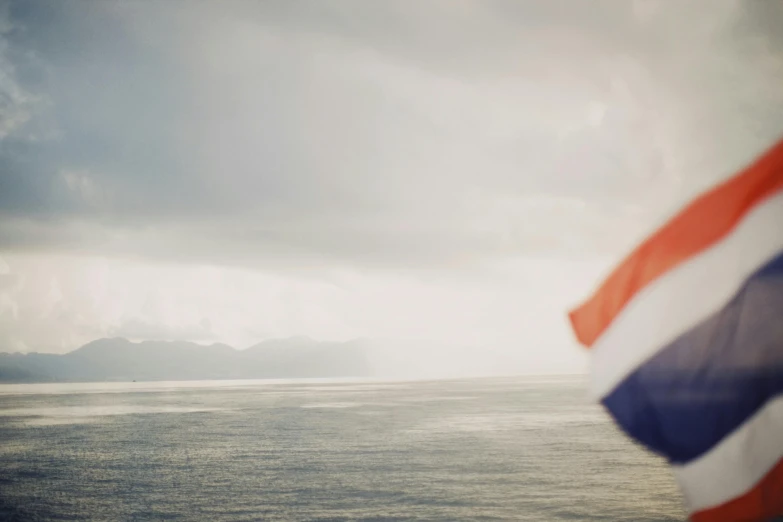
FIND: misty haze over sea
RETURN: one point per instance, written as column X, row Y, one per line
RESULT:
column 521, row 449
column 119, row 359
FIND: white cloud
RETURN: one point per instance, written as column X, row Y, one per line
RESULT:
column 84, row 187
column 509, row 317
column 138, row 329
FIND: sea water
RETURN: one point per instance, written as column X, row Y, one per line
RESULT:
column 528, row 448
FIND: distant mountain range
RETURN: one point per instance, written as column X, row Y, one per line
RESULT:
column 122, row 360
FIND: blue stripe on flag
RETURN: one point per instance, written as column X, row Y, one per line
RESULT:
column 697, row 390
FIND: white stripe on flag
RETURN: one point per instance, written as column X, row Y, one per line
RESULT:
column 683, row 297
column 734, row 466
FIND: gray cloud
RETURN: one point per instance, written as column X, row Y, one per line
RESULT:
column 403, row 134
column 15, row 102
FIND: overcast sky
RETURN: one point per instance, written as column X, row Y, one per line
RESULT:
column 451, row 171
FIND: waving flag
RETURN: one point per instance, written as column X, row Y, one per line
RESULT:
column 686, row 343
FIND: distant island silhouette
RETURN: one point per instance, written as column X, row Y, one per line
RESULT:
column 119, row 359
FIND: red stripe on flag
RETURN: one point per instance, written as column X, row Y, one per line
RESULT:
column 700, row 225
column 763, row 502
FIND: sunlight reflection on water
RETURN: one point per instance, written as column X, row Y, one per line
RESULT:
column 490, row 449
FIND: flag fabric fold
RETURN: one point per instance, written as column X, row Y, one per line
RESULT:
column 686, row 345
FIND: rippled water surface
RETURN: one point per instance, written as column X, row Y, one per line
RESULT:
column 488, row 449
